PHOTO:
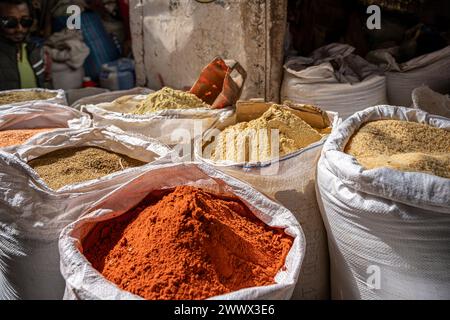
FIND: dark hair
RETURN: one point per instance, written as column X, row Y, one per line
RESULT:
column 17, row 2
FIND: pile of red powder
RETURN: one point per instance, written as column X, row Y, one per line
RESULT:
column 187, row 243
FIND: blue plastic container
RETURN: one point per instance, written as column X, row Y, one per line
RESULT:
column 118, row 75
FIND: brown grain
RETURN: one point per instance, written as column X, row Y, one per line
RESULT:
column 402, row 145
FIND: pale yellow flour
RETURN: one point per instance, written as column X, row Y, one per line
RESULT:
column 168, row 98
column 276, row 133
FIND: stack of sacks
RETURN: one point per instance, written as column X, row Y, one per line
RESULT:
column 335, row 79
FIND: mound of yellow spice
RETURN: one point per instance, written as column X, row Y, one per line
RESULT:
column 168, row 98
column 253, row 141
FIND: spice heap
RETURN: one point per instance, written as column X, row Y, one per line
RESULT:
column 14, row 137
column 21, row 96
column 73, row 165
column 402, row 145
column 187, row 244
column 168, row 98
column 252, row 141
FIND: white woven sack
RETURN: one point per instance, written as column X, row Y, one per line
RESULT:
column 427, row 100
column 108, row 97
column 37, row 214
column 291, row 182
column 172, row 126
column 432, row 70
column 352, row 86
column 43, row 115
column 85, row 283
column 388, row 230
column 60, row 98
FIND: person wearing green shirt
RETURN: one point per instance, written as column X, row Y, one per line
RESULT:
column 21, row 63
column 26, row 73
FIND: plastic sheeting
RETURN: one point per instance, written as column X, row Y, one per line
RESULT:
column 335, row 79
column 432, row 70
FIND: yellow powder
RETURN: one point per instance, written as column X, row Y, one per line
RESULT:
column 402, row 145
column 253, row 141
column 168, row 98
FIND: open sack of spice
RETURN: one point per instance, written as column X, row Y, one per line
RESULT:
column 383, row 184
column 175, row 116
column 46, row 184
column 275, row 149
column 20, row 123
column 20, row 97
column 182, row 231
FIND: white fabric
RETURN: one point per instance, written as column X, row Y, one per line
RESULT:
column 108, row 96
column 67, row 47
column 334, row 79
column 435, row 103
column 40, row 213
column 291, row 183
column 9, row 249
column 85, row 283
column 60, row 98
column 168, row 126
column 43, row 115
column 432, row 70
column 384, row 219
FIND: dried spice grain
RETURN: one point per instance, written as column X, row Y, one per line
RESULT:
column 73, row 165
column 22, row 96
column 402, row 145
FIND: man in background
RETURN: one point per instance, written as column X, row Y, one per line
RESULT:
column 21, row 62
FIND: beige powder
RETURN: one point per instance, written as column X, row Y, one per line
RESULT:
column 402, row 145
column 252, row 141
column 168, row 98
column 22, row 96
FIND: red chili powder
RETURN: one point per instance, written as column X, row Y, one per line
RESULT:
column 187, row 243
column 19, row 136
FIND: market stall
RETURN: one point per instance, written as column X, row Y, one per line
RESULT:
column 220, row 150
